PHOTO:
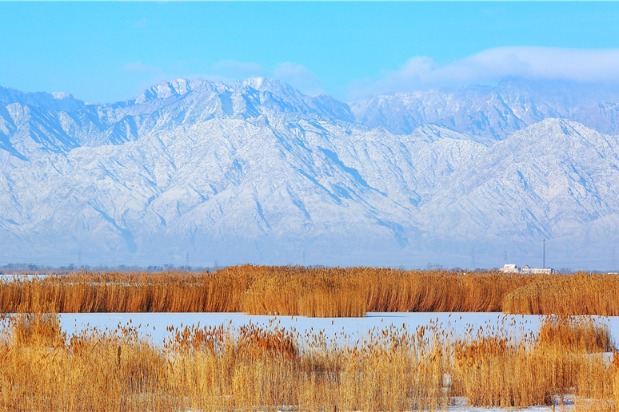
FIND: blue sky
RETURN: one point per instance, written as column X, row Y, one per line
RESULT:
column 111, row 51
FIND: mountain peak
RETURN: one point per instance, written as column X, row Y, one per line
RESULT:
column 493, row 112
column 181, row 87
column 61, row 95
column 61, row 101
column 238, row 171
column 176, row 88
column 265, row 84
column 256, row 82
column 558, row 125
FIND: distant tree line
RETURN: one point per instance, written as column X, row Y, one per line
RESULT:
column 32, row 267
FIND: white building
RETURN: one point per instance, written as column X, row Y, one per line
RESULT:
column 525, row 270
column 510, row 268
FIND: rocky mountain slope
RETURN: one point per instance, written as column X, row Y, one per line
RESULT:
column 202, row 172
column 491, row 113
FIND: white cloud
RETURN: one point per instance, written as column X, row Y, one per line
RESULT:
column 234, row 69
column 537, row 62
column 585, row 65
column 299, row 77
column 228, row 71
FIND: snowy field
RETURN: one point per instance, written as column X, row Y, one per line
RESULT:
column 347, row 330
column 344, row 330
column 20, row 277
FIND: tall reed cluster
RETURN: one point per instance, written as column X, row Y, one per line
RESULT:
column 122, row 292
column 270, row 368
column 564, row 358
column 579, row 294
column 326, row 292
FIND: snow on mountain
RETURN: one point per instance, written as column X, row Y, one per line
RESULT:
column 59, row 101
column 493, row 112
column 255, row 171
column 556, row 180
column 41, row 122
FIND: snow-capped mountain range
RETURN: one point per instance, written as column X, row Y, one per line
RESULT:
column 206, row 173
column 492, row 113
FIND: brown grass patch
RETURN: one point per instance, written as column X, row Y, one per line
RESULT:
column 255, row 368
column 327, row 292
column 579, row 294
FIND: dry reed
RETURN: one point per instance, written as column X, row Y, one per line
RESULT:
column 578, row 294
column 496, row 370
column 254, row 368
column 325, row 292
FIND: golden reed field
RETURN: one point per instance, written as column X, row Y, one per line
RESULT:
column 216, row 369
column 328, row 292
column 254, row 368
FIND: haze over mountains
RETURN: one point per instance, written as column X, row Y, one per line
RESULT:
column 203, row 172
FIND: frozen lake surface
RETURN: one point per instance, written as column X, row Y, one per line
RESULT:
column 348, row 330
column 21, row 277
column 345, row 330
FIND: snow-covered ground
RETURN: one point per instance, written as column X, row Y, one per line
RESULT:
column 343, row 330
column 19, row 277
column 346, row 330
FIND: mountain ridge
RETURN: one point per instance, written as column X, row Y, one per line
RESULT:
column 493, row 112
column 258, row 172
